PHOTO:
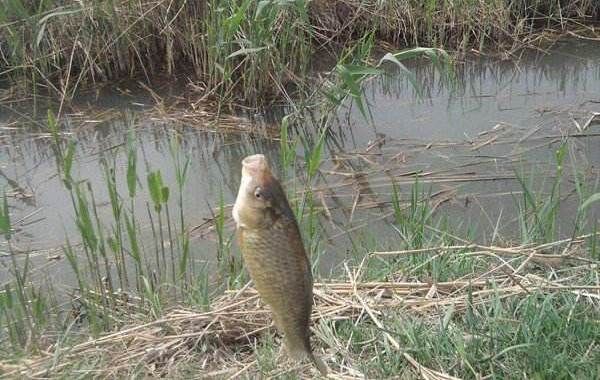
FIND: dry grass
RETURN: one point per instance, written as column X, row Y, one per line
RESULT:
column 222, row 342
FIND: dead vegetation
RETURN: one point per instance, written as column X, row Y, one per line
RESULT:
column 221, row 342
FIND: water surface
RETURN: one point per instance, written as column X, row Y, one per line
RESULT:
column 468, row 141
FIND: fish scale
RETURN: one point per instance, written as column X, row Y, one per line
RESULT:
column 283, row 279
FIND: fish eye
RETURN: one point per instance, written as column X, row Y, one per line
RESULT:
column 257, row 193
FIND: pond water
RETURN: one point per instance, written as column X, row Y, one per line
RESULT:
column 468, row 141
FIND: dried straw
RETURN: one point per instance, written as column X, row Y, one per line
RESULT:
column 223, row 339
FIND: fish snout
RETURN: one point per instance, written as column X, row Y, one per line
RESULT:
column 255, row 166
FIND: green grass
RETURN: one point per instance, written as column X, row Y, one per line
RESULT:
column 539, row 336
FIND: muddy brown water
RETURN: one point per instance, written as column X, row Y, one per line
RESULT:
column 467, row 139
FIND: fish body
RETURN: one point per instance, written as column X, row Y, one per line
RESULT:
column 274, row 255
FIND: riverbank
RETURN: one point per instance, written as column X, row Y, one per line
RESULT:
column 253, row 52
column 506, row 317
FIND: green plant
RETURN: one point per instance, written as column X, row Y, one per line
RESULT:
column 538, row 214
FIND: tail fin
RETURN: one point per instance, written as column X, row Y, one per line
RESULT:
column 319, row 364
column 298, row 348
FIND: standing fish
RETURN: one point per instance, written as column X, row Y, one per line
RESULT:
column 274, row 255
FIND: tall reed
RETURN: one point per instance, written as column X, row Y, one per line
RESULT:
column 251, row 50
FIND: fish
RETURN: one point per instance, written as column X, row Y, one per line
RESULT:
column 273, row 253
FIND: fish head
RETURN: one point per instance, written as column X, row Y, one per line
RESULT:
column 258, row 196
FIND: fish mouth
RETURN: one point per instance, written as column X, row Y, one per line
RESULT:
column 255, row 165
